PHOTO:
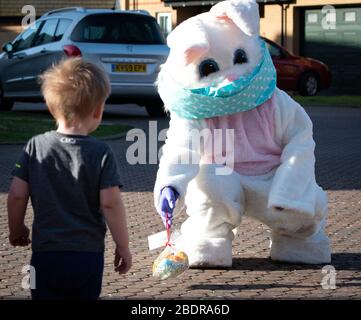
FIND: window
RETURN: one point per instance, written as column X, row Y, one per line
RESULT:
column 312, row 18
column 273, row 50
column 63, row 25
column 331, row 17
column 47, row 32
column 350, row 16
column 165, row 22
column 93, row 33
column 25, row 40
column 118, row 28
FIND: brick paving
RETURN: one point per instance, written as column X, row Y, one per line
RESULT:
column 253, row 276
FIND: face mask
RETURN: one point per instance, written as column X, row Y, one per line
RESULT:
column 243, row 94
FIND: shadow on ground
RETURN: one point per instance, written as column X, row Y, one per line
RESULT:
column 341, row 261
column 233, row 287
column 344, row 261
column 240, row 287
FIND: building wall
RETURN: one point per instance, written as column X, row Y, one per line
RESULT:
column 152, row 6
column 271, row 23
column 187, row 12
column 8, row 31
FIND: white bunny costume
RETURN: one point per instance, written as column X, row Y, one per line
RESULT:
column 271, row 176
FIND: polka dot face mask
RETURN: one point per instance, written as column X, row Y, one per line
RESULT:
column 243, row 94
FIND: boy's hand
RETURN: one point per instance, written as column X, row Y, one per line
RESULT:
column 122, row 260
column 20, row 237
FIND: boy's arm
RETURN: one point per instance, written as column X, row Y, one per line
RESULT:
column 17, row 202
column 114, row 212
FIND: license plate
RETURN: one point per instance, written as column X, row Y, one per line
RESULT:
column 129, row 67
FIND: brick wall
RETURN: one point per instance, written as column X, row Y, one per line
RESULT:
column 8, row 32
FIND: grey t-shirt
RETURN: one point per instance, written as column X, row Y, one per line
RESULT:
column 65, row 175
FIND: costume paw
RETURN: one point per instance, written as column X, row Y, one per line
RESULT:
column 292, row 223
column 313, row 250
column 208, row 253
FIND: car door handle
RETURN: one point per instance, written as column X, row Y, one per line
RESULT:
column 20, row 56
column 43, row 50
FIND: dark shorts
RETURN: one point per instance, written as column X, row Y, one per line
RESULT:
column 67, row 275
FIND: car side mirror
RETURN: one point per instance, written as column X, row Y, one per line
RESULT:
column 8, row 47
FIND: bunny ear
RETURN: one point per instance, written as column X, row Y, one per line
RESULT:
column 244, row 13
column 194, row 52
column 188, row 40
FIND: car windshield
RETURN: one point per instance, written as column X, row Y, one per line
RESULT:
column 118, row 28
column 273, row 50
column 25, row 39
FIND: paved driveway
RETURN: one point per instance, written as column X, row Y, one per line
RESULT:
column 338, row 137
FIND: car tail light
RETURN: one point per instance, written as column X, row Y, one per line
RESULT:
column 72, row 51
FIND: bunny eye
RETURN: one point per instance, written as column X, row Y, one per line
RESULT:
column 240, row 56
column 207, row 67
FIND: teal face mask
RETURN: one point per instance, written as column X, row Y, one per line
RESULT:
column 243, row 94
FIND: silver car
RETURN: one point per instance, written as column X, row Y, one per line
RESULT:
column 128, row 44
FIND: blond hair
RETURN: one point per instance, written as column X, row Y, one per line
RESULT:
column 74, row 87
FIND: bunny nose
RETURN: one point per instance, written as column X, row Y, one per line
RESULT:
column 231, row 77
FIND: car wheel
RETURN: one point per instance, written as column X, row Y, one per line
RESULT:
column 309, row 84
column 5, row 104
column 155, row 109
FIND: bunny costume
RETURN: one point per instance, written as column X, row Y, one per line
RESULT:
column 265, row 169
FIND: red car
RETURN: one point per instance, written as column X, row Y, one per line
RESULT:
column 295, row 73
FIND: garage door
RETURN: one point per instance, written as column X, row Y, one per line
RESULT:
column 338, row 47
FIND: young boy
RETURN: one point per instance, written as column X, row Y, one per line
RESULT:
column 73, row 182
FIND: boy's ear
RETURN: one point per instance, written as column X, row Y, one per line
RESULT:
column 98, row 111
column 244, row 14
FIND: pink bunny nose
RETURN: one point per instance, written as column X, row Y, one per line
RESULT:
column 231, row 77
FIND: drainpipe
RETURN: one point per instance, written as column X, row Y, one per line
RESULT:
column 282, row 27
column 117, row 5
column 135, row 4
column 286, row 8
column 283, row 22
